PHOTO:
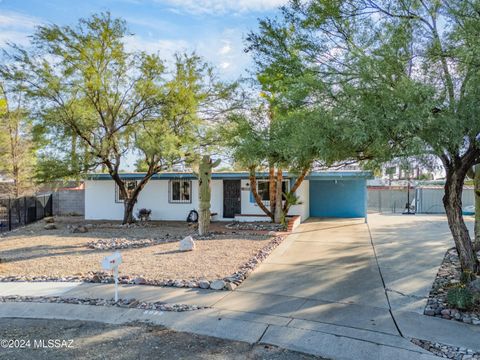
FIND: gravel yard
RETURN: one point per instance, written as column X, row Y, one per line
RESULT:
column 33, row 251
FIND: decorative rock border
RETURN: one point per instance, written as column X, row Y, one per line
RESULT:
column 258, row 226
column 124, row 243
column 448, row 275
column 446, row 351
column 292, row 223
column 227, row 283
column 124, row 303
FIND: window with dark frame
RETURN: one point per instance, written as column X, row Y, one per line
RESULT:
column 180, row 191
column 263, row 188
column 130, row 186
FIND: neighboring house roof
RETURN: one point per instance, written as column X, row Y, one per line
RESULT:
column 320, row 175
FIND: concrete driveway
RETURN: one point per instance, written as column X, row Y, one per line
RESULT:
column 345, row 272
column 326, row 271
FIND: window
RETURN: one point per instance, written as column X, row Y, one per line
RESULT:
column 130, row 185
column 180, row 191
column 264, row 185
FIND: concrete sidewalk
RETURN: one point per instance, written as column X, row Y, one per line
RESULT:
column 322, row 341
column 321, row 292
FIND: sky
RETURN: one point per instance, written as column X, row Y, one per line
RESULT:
column 215, row 29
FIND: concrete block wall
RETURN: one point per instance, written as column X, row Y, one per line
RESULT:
column 69, row 202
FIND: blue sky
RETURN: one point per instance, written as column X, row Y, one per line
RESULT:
column 215, row 29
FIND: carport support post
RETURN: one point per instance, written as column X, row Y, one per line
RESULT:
column 115, row 272
column 366, row 202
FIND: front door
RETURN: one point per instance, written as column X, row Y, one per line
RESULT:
column 231, row 198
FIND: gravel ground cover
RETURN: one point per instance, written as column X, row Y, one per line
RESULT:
column 125, row 303
column 35, row 253
column 91, row 340
column 448, row 276
column 446, row 351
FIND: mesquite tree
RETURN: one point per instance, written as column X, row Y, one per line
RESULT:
column 474, row 174
column 204, row 194
column 285, row 143
column 82, row 80
column 17, row 145
column 400, row 83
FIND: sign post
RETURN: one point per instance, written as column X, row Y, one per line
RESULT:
column 112, row 262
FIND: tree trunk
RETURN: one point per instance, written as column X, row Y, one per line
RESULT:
column 278, row 215
column 129, row 204
column 131, row 199
column 73, row 155
column 476, row 182
column 452, row 202
column 272, row 189
column 256, row 196
column 16, row 181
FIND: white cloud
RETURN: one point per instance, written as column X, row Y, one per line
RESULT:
column 16, row 27
column 221, row 7
column 165, row 48
column 226, row 48
column 17, row 20
column 15, row 37
column 223, row 50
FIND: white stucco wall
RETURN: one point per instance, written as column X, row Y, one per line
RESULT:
column 100, row 201
column 250, row 207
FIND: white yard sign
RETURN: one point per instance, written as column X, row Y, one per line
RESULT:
column 111, row 263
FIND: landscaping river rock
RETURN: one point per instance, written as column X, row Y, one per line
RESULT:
column 448, row 276
column 258, row 226
column 446, row 351
column 123, row 243
column 126, row 303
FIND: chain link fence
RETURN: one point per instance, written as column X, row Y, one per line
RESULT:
column 423, row 199
column 389, row 199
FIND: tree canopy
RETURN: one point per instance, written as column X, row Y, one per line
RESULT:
column 399, row 78
column 109, row 102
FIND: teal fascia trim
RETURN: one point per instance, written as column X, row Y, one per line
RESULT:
column 320, row 175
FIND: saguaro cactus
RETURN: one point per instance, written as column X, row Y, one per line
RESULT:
column 204, row 193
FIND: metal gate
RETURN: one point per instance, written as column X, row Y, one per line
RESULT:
column 24, row 210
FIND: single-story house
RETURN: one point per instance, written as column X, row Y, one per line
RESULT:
column 172, row 195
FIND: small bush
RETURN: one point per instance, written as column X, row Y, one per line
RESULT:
column 144, row 214
column 460, row 298
column 467, row 277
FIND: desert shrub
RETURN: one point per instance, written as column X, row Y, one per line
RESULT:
column 460, row 298
column 144, row 214
column 467, row 277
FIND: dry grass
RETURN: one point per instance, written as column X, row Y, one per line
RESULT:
column 33, row 251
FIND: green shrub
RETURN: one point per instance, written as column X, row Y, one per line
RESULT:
column 460, row 298
column 467, row 277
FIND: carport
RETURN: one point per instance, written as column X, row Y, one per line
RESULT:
column 338, row 194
